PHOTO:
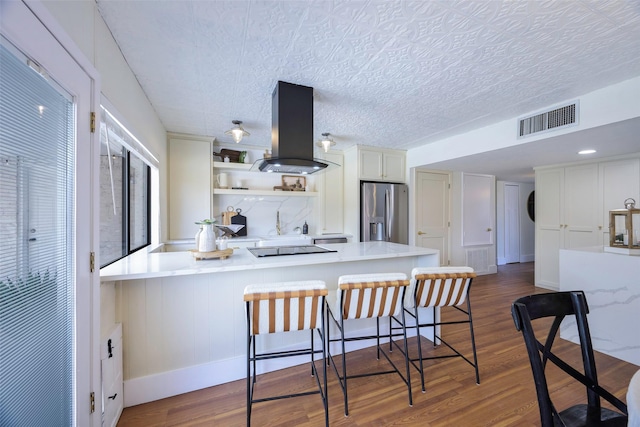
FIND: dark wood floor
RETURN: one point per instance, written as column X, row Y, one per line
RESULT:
column 505, row 396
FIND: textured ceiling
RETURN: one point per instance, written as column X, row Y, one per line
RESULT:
column 386, row 73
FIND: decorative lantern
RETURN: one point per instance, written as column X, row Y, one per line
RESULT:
column 624, row 226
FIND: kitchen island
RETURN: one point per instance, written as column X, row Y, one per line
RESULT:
column 183, row 320
column 610, row 283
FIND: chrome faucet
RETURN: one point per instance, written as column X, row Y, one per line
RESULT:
column 278, row 222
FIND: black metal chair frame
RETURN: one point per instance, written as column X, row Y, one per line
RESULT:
column 343, row 377
column 253, row 358
column 437, row 337
column 559, row 305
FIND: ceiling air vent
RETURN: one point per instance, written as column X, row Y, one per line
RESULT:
column 549, row 120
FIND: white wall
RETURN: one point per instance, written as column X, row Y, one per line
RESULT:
column 83, row 23
column 611, row 104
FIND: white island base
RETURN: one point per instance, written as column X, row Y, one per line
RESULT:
column 184, row 322
column 611, row 283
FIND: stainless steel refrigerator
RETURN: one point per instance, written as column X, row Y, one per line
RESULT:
column 384, row 212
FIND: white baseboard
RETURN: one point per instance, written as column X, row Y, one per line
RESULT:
column 171, row 383
column 527, row 258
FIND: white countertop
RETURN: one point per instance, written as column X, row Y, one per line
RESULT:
column 256, row 238
column 143, row 265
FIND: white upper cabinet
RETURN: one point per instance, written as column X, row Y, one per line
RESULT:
column 381, row 164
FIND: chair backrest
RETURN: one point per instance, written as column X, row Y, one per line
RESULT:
column 363, row 296
column 633, row 400
column 559, row 305
column 285, row 306
column 440, row 286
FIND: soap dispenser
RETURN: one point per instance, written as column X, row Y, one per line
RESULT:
column 305, row 228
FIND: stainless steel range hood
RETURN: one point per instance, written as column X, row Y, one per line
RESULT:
column 292, row 132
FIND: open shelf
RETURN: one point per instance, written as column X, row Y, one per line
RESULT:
column 233, row 166
column 223, row 191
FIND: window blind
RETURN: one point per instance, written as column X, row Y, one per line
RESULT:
column 36, row 246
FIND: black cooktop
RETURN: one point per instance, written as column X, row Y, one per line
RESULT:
column 288, row 250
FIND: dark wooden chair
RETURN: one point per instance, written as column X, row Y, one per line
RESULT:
column 560, row 305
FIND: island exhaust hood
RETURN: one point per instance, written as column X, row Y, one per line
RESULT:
column 291, row 132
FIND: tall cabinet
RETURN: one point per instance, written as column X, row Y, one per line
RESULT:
column 189, row 184
column 331, row 188
column 572, row 206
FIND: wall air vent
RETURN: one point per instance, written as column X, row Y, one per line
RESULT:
column 557, row 118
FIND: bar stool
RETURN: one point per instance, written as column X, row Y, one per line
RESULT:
column 367, row 296
column 437, row 288
column 284, row 307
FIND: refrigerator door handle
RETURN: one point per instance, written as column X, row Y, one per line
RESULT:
column 387, row 214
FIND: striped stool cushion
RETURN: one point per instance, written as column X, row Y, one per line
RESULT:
column 370, row 295
column 285, row 306
column 439, row 286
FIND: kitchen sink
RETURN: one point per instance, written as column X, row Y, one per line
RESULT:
column 267, row 251
column 284, row 240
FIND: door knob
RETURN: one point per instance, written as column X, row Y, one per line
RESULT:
column 488, row 229
column 420, row 233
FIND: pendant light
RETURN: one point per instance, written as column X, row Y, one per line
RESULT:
column 237, row 132
column 326, row 142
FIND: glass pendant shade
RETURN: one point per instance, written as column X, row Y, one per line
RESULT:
column 326, row 142
column 237, row 133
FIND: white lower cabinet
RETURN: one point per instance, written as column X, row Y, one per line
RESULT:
column 112, row 381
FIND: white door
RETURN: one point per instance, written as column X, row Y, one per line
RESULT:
column 511, row 223
column 45, row 232
column 478, row 209
column 432, row 212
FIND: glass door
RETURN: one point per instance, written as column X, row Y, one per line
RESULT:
column 47, row 303
column 37, row 144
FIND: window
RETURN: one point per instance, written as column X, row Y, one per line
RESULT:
column 125, row 192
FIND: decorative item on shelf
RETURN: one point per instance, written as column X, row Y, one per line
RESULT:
column 326, row 142
column 294, row 183
column 233, row 155
column 624, row 229
column 237, row 133
column 242, row 158
column 305, row 228
column 223, row 180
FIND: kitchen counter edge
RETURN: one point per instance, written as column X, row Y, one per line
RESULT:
column 143, row 265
